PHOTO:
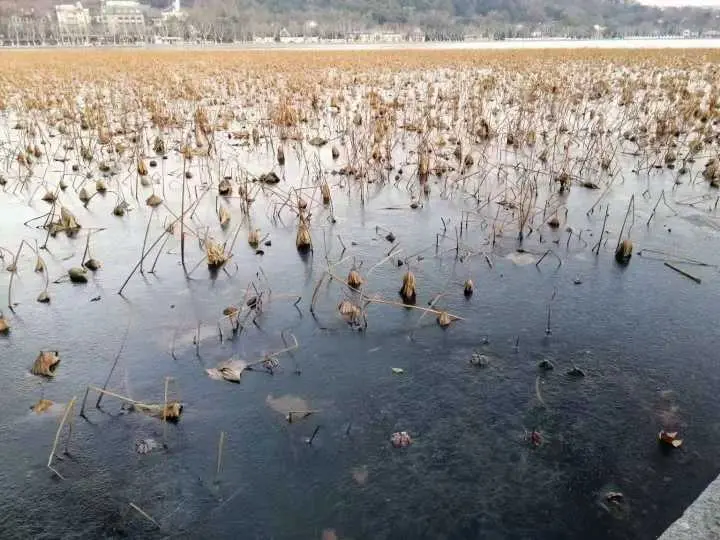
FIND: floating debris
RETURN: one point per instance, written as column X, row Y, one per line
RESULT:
column 78, row 275
column 546, row 365
column 230, row 371
column 46, row 364
column 408, row 290
column 224, row 217
column 397, row 371
column 468, row 288
column 43, row 297
column 170, row 412
column 325, row 192
column 153, row 201
column 350, row 312
column 669, row 438
column 303, row 240
column 224, row 187
column 93, row 265
column 444, row 319
column 215, row 254
column 535, row 438
column 159, row 145
column 67, row 219
column 269, row 178
column 576, row 372
column 624, row 252
column 67, row 223
column 354, row 279
column 231, row 311
column 317, row 141
column 145, row 446
column 401, row 439
column 614, row 497
column 479, row 360
column 254, row 238
column 4, row 325
column 42, row 406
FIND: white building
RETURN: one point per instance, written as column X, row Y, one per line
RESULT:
column 264, row 40
column 416, row 36
column 377, row 37
column 174, row 13
column 286, row 37
column 72, row 19
column 122, row 17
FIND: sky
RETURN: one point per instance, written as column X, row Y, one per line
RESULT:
column 675, row 3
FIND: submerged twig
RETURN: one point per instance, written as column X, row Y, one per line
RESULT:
column 683, row 272
column 70, row 407
column 144, row 514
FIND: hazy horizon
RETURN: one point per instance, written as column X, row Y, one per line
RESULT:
column 682, row 3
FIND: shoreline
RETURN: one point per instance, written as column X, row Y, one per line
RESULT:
column 508, row 44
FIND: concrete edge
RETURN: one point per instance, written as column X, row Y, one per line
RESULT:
column 701, row 520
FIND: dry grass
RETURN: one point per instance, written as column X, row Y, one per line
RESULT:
column 215, row 254
column 169, row 413
column 508, row 132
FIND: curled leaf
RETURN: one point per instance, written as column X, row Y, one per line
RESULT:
column 153, row 201
column 93, row 265
column 77, row 275
column 230, row 371
column 46, row 363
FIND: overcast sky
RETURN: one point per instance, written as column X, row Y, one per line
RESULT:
column 673, row 3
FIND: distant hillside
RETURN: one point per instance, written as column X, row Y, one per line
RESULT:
column 614, row 15
column 622, row 16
